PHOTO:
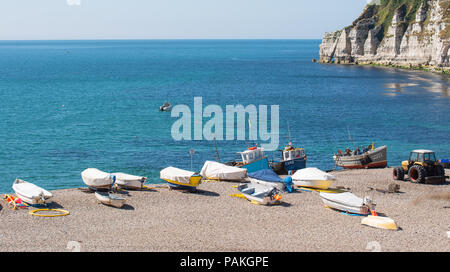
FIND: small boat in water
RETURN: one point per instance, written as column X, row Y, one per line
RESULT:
column 127, row 181
column 109, row 199
column 367, row 158
column 292, row 159
column 267, row 177
column 313, row 178
column 217, row 171
column 96, row 179
column 348, row 202
column 180, row 179
column 165, row 107
column 30, row 193
column 260, row 194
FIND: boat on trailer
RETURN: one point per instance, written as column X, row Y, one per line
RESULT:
column 30, row 193
column 127, row 181
column 180, row 179
column 373, row 158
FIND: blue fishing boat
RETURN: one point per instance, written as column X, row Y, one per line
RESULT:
column 254, row 159
column 292, row 159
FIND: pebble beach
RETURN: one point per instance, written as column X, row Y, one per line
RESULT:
column 212, row 220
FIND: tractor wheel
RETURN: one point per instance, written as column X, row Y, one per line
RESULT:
column 440, row 171
column 417, row 174
column 399, row 173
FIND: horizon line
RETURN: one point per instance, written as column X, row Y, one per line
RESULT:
column 160, row 39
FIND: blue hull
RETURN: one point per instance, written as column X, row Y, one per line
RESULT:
column 257, row 165
column 295, row 164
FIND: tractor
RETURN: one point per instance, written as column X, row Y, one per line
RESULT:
column 421, row 167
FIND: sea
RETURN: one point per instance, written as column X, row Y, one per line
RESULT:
column 70, row 105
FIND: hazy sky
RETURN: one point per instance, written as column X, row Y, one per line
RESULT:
column 169, row 19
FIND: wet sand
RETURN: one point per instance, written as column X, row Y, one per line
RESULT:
column 212, row 220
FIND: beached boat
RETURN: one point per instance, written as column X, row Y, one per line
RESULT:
column 30, row 193
column 165, row 107
column 110, row 199
column 97, row 179
column 217, row 171
column 180, row 179
column 370, row 158
column 292, row 159
column 253, row 159
column 348, row 202
column 267, row 177
column 127, row 181
column 379, row 222
column 313, row 178
column 260, row 194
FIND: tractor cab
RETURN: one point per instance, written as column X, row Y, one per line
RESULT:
column 421, row 167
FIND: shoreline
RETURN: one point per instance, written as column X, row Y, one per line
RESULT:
column 167, row 220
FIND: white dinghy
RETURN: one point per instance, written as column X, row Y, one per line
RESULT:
column 97, row 179
column 217, row 171
column 127, row 181
column 110, row 199
column 31, row 193
column 348, row 202
column 313, row 178
column 260, row 194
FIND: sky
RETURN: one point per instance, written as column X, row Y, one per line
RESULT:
column 174, row 19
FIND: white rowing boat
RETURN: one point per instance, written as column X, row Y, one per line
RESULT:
column 110, row 199
column 260, row 194
column 348, row 202
column 31, row 193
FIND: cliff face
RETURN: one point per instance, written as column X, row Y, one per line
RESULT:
column 395, row 32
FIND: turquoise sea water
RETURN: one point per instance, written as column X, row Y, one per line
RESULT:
column 69, row 105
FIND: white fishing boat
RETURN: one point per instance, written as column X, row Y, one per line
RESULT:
column 260, row 194
column 348, row 202
column 180, row 179
column 313, row 178
column 30, row 193
column 217, row 171
column 127, row 181
column 97, row 179
column 110, row 199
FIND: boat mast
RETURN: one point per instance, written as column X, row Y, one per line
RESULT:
column 350, row 137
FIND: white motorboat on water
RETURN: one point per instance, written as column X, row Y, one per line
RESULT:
column 260, row 194
column 127, row 181
column 217, row 171
column 165, row 107
column 313, row 178
column 30, row 193
column 348, row 202
column 110, row 199
column 97, row 179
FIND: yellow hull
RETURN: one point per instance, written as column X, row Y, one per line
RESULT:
column 379, row 222
column 193, row 182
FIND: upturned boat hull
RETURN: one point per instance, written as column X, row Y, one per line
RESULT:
column 376, row 158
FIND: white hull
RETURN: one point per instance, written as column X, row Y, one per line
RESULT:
column 110, row 199
column 278, row 185
column 97, row 179
column 31, row 193
column 256, row 192
column 346, row 202
column 318, row 184
column 129, row 181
